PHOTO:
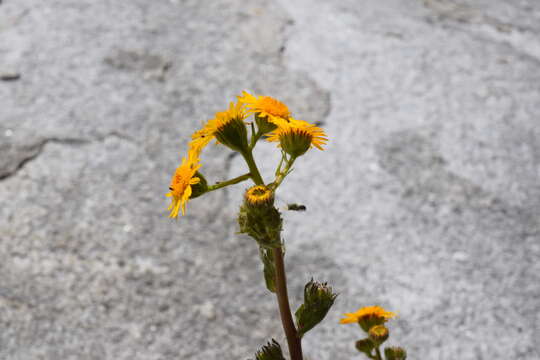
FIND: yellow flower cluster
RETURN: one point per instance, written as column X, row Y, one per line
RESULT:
column 372, row 320
column 227, row 127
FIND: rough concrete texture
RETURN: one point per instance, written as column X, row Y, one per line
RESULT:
column 426, row 200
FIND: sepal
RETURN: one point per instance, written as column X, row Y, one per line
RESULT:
column 233, row 134
column 263, row 125
column 200, row 188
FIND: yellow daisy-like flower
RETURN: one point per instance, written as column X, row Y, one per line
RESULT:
column 227, row 127
column 180, row 188
column 200, row 139
column 265, row 106
column 368, row 317
column 297, row 136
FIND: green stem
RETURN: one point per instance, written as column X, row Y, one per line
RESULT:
column 293, row 340
column 254, row 138
column 278, row 169
column 378, row 353
column 236, row 180
column 253, row 170
column 284, row 173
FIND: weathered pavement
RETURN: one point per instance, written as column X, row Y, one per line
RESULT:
column 426, row 200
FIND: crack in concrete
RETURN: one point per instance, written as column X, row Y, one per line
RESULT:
column 37, row 149
column 456, row 13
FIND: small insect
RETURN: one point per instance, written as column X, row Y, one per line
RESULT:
column 170, row 188
column 296, row 207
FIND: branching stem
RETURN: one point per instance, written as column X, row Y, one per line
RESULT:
column 282, row 174
column 253, row 170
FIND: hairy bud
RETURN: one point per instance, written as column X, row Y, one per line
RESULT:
column 365, row 346
column 378, row 334
column 318, row 299
column 395, row 353
column 271, row 351
column 259, row 218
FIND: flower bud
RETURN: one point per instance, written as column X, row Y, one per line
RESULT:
column 378, row 334
column 259, row 218
column 395, row 353
column 365, row 345
column 318, row 299
column 271, row 351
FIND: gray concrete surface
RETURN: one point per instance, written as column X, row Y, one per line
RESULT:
column 426, row 200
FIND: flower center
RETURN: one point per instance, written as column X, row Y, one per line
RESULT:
column 178, row 184
column 258, row 192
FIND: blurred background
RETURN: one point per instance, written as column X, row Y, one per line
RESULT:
column 426, row 200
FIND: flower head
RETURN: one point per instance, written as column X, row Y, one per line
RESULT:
column 259, row 195
column 227, row 127
column 181, row 184
column 297, row 136
column 265, row 106
column 368, row 317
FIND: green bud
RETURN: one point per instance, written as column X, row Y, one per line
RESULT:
column 233, row 134
column 318, row 299
column 200, row 188
column 395, row 353
column 365, row 346
column 263, row 124
column 267, row 257
column 271, row 351
column 378, row 334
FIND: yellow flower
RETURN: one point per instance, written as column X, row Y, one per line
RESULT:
column 180, row 188
column 265, row 106
column 297, row 136
column 200, row 139
column 368, row 317
column 227, row 127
